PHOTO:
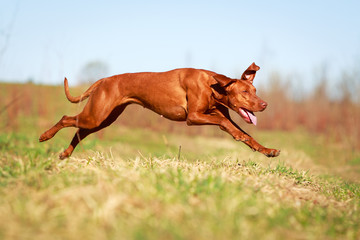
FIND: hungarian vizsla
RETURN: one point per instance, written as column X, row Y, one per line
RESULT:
column 199, row 97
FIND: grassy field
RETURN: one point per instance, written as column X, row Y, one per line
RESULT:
column 167, row 181
column 139, row 184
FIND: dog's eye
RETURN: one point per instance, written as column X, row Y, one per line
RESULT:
column 244, row 91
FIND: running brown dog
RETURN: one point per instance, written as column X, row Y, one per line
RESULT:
column 199, row 97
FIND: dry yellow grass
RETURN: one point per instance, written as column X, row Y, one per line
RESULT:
column 132, row 184
column 102, row 195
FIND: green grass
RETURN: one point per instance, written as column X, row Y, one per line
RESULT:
column 132, row 184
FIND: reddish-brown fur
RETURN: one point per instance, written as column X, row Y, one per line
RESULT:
column 199, row 97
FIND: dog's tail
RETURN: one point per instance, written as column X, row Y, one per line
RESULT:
column 83, row 96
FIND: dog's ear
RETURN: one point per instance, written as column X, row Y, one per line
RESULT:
column 222, row 80
column 250, row 73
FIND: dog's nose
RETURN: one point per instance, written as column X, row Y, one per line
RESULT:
column 264, row 105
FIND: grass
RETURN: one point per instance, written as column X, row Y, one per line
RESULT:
column 133, row 185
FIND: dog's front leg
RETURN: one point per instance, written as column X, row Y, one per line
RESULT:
column 225, row 123
column 215, row 118
column 202, row 112
column 255, row 146
column 246, row 138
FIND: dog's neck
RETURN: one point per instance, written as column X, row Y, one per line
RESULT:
column 220, row 96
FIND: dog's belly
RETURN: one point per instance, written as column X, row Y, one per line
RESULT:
column 173, row 108
column 175, row 113
column 170, row 109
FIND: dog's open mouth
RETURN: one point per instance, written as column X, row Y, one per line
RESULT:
column 248, row 116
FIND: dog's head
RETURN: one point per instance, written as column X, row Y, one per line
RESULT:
column 240, row 94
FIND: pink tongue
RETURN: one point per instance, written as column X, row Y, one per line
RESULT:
column 252, row 117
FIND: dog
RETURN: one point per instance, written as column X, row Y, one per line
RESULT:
column 199, row 97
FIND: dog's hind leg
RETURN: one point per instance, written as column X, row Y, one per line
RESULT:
column 80, row 121
column 80, row 135
column 83, row 132
column 97, row 109
column 65, row 121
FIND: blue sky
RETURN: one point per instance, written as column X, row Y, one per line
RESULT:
column 49, row 40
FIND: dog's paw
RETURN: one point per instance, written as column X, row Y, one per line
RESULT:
column 43, row 137
column 64, row 155
column 271, row 152
column 46, row 135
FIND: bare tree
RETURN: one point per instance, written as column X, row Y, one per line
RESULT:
column 93, row 71
column 5, row 32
